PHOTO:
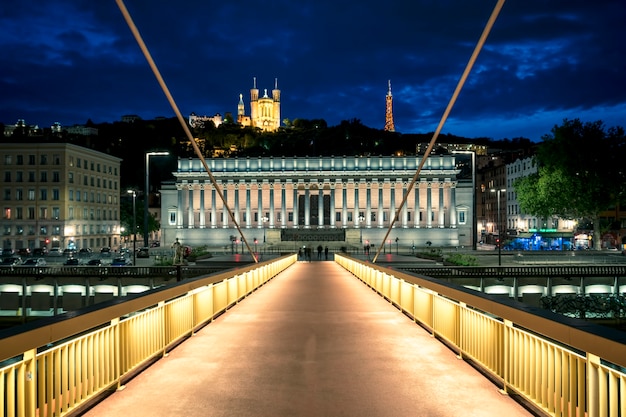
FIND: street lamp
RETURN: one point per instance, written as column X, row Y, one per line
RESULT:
column 499, row 241
column 147, row 196
column 134, row 193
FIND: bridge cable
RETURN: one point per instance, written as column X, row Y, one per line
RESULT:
column 468, row 68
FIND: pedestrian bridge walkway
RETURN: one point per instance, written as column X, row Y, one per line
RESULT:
column 287, row 338
column 314, row 341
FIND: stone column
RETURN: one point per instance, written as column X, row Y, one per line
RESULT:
column 333, row 185
column 213, row 207
column 295, row 204
column 381, row 204
column 452, row 208
column 248, row 205
column 236, row 208
column 442, row 211
column 190, row 216
column 272, row 214
column 259, row 204
column 368, row 204
column 307, row 205
column 320, row 205
column 179, row 209
column 225, row 215
column 392, row 201
column 405, row 208
column 283, row 204
column 416, row 190
column 355, row 218
column 202, row 211
column 429, row 204
column 344, row 208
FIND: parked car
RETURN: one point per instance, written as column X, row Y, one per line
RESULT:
column 105, row 251
column 11, row 261
column 43, row 251
column 55, row 252
column 143, row 253
column 23, row 252
column 34, row 262
column 121, row 261
column 84, row 252
column 71, row 261
column 7, row 252
column 155, row 244
column 69, row 252
column 94, row 262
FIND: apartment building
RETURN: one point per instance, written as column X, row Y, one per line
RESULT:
column 59, row 195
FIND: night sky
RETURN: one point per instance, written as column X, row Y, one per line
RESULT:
column 544, row 61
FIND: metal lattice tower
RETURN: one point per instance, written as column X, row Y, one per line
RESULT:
column 389, row 126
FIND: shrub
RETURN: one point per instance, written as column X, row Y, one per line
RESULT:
column 461, row 259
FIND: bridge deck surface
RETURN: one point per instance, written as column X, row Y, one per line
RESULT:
column 314, row 341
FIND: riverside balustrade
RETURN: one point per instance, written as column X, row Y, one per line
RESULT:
column 561, row 365
column 56, row 366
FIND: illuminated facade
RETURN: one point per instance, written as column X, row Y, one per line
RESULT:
column 264, row 111
column 59, row 195
column 343, row 201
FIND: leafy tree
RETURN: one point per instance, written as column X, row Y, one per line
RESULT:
column 580, row 173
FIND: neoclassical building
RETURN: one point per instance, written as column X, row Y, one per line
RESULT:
column 336, row 201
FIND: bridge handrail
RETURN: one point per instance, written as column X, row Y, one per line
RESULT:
column 55, row 367
column 561, row 365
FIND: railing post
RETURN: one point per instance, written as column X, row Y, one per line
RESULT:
column 594, row 403
column 28, row 380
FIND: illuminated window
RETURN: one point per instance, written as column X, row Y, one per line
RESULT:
column 172, row 217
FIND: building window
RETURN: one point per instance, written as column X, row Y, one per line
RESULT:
column 44, row 176
column 70, row 177
column 78, row 162
column 56, row 176
column 7, row 176
column 7, row 230
column 31, row 195
column 43, row 159
column 172, row 217
column 31, row 176
column 7, row 160
column 462, row 217
column 56, row 194
column 290, row 216
column 56, row 213
column 43, row 230
column 43, row 194
column 31, row 213
column 31, row 159
column 7, row 193
column 70, row 213
column 19, row 176
column 20, row 159
column 19, row 213
column 19, row 194
column 7, row 213
column 43, row 213
column 338, row 216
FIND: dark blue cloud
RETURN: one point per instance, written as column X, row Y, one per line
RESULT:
column 71, row 60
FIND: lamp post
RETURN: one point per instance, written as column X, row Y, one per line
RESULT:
column 499, row 241
column 134, row 193
column 361, row 219
column 147, row 195
column 474, row 221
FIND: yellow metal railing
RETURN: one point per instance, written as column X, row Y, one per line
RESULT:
column 48, row 378
column 564, row 369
